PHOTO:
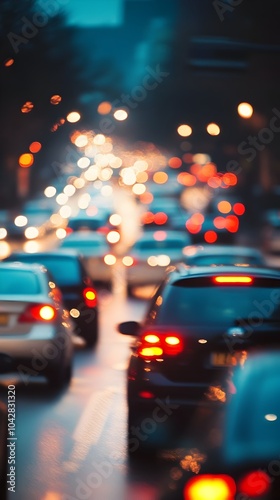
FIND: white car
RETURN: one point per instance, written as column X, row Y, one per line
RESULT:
column 93, row 247
column 152, row 253
column 36, row 334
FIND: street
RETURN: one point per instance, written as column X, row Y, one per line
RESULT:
column 73, row 445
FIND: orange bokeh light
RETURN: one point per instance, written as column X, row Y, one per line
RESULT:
column 26, row 160
column 104, row 108
column 55, row 99
column 186, row 179
column 160, row 177
column 224, row 207
column 147, row 218
column 175, row 162
column 214, row 182
column 160, row 218
column 9, row 62
column 27, row 107
column 35, row 147
column 146, row 198
column 229, row 179
column 219, row 222
column 232, row 223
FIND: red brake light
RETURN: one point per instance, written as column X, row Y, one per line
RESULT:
column 206, row 486
column 90, row 297
column 245, row 280
column 38, row 312
column 255, row 484
column 156, row 344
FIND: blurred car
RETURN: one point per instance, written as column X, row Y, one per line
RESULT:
column 35, row 329
column 152, row 253
column 209, row 255
column 97, row 222
column 162, row 213
column 78, row 290
column 93, row 247
column 201, row 323
column 244, row 462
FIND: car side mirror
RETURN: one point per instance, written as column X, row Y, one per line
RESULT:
column 129, row 328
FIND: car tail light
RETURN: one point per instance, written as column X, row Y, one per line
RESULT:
column 103, row 230
column 69, row 230
column 245, row 280
column 90, row 297
column 146, row 394
column 38, row 312
column 210, row 486
column 255, row 484
column 156, row 344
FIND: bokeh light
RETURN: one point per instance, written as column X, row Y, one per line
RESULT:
column 73, row 117
column 184, row 130
column 245, row 110
column 213, row 129
column 120, row 115
column 26, row 160
column 104, row 108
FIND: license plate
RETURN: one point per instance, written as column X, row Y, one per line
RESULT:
column 3, row 319
column 223, row 359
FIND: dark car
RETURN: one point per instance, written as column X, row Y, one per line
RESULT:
column 201, row 324
column 78, row 290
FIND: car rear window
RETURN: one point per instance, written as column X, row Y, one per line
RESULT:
column 191, row 303
column 158, row 245
column 64, row 270
column 18, row 282
column 91, row 224
column 208, row 260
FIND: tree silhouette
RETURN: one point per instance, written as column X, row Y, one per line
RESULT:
column 39, row 58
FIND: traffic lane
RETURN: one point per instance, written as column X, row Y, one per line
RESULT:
column 73, row 446
column 61, row 437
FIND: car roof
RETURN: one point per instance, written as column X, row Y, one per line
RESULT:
column 149, row 235
column 183, row 271
column 84, row 236
column 32, row 267
column 69, row 253
column 235, row 250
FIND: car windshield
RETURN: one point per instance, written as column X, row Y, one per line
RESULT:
column 18, row 282
column 220, row 305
